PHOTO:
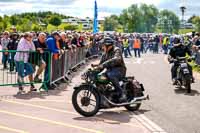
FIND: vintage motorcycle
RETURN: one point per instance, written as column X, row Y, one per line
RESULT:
column 97, row 92
column 184, row 77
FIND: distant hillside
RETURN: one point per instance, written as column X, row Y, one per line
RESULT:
column 31, row 21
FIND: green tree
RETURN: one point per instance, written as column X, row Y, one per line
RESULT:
column 55, row 20
column 196, row 21
column 36, row 28
column 4, row 24
column 149, row 17
column 1, row 26
column 111, row 23
column 141, row 18
column 169, row 21
column 70, row 27
column 1, row 19
column 13, row 20
column 190, row 20
column 25, row 26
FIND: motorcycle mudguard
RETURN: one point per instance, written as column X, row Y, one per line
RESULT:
column 92, row 87
column 85, row 85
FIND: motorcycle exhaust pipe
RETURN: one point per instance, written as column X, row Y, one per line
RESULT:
column 142, row 98
column 137, row 99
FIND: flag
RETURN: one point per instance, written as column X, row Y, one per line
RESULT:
column 95, row 23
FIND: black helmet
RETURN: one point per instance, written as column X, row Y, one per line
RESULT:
column 108, row 41
column 177, row 40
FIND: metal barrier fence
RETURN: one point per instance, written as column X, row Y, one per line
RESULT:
column 30, row 64
column 18, row 65
column 69, row 60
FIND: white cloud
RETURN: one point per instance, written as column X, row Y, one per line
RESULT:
column 83, row 8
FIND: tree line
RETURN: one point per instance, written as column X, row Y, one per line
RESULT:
column 136, row 18
column 146, row 18
column 35, row 21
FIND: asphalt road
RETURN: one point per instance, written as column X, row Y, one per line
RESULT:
column 169, row 109
column 172, row 109
column 53, row 112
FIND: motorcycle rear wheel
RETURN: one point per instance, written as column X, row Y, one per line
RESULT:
column 85, row 101
column 188, row 86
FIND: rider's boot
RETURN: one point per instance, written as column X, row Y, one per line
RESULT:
column 174, row 81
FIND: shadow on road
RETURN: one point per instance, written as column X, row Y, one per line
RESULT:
column 180, row 90
column 111, row 117
column 143, row 111
column 61, row 87
column 41, row 95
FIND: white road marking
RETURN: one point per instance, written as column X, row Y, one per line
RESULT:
column 148, row 123
column 138, row 61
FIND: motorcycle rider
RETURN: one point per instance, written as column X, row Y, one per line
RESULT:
column 112, row 60
column 178, row 50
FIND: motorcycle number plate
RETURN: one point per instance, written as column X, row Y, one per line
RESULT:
column 183, row 65
column 186, row 71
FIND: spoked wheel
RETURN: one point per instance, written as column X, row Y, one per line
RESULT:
column 133, row 107
column 86, row 101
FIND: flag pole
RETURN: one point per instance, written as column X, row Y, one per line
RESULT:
column 95, row 21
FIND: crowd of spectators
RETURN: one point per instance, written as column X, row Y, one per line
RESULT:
column 22, row 52
column 21, row 49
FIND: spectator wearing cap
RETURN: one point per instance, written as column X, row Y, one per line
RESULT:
column 4, row 42
column 53, row 44
column 12, row 45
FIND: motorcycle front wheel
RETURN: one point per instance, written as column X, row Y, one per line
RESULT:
column 86, row 101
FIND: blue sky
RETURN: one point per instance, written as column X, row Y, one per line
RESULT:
column 84, row 8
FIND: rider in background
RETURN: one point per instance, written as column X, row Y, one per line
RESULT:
column 178, row 50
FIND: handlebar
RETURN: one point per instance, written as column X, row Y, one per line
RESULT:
column 181, row 59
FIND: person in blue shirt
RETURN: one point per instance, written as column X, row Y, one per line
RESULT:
column 53, row 48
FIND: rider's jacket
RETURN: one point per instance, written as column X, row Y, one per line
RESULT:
column 113, row 59
column 179, row 51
